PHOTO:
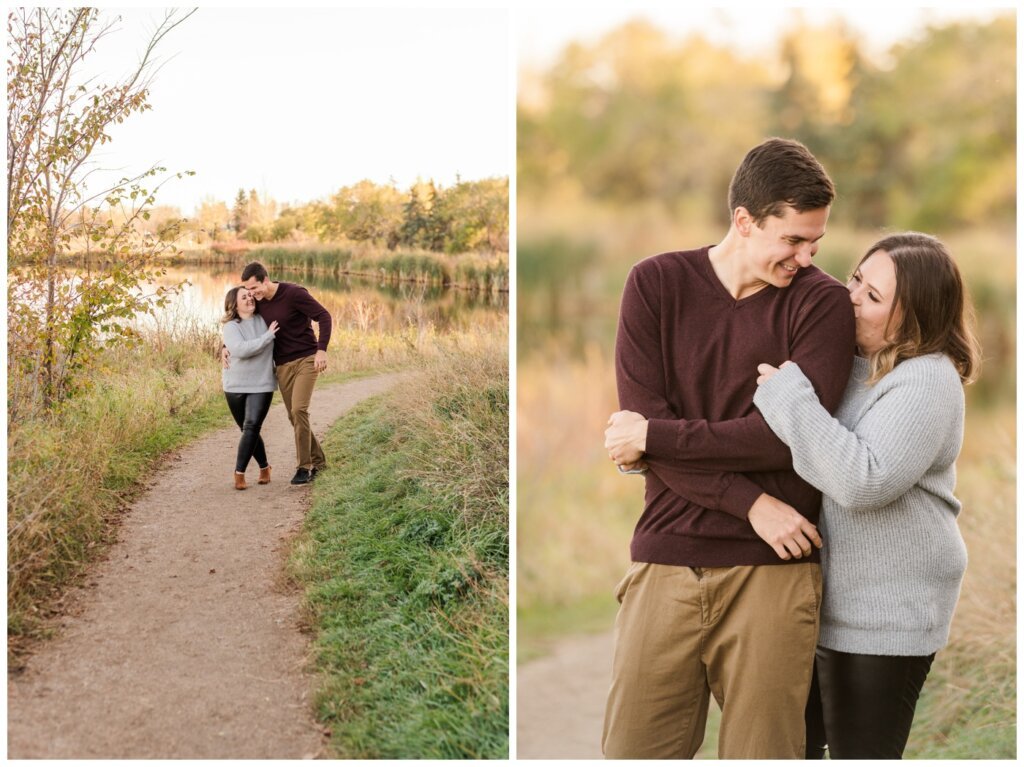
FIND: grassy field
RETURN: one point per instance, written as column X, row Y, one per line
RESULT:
column 404, row 563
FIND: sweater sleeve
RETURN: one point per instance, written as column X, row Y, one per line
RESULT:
column 640, row 379
column 822, row 345
column 241, row 347
column 906, row 428
column 313, row 309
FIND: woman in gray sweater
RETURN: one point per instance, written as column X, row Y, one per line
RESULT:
column 893, row 558
column 250, row 382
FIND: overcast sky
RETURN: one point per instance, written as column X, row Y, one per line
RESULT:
column 296, row 103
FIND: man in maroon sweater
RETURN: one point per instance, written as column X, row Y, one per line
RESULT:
column 299, row 356
column 722, row 596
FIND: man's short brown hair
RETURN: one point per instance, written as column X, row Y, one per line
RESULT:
column 776, row 173
column 255, row 269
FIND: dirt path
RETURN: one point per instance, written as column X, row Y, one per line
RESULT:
column 561, row 697
column 185, row 643
column 560, row 700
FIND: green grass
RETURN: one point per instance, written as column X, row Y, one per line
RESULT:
column 404, row 562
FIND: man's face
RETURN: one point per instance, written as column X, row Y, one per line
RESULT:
column 257, row 288
column 782, row 245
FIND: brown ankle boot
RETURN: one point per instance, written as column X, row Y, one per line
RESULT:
column 240, row 480
column 265, row 476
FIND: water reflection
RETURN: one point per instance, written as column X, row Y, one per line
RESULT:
column 358, row 303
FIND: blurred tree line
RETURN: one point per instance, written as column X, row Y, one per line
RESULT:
column 467, row 216
column 925, row 138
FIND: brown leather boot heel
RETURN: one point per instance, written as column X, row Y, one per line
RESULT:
column 240, row 481
column 264, row 476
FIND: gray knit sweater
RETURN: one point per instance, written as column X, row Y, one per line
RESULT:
column 893, row 558
column 251, row 366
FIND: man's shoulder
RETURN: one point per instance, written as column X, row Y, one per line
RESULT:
column 672, row 264
column 811, row 278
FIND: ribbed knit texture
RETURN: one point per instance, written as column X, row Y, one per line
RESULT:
column 893, row 558
column 252, row 357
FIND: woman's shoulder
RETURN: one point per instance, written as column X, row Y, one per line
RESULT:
column 935, row 364
column 242, row 328
column 931, row 371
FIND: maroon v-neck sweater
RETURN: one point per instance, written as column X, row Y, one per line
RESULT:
column 686, row 357
column 293, row 308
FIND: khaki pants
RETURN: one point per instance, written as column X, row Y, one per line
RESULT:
column 296, row 380
column 743, row 634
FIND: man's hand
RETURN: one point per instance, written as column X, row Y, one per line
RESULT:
column 225, row 356
column 320, row 361
column 782, row 527
column 625, row 439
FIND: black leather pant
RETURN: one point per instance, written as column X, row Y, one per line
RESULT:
column 249, row 411
column 862, row 706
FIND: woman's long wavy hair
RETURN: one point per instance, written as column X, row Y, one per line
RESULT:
column 931, row 310
column 231, row 305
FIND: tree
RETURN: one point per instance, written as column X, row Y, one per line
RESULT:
column 212, row 218
column 56, row 119
column 477, row 216
column 416, row 216
column 240, row 213
column 368, row 212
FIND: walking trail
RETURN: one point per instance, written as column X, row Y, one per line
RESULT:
column 561, row 697
column 560, row 700
column 186, row 640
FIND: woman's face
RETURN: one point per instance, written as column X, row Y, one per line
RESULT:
column 872, row 291
column 246, row 303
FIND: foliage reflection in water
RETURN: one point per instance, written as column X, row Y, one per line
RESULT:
column 356, row 303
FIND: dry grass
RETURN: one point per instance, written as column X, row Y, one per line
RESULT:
column 69, row 472
column 968, row 707
column 574, row 512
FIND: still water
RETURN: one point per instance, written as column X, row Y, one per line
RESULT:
column 359, row 303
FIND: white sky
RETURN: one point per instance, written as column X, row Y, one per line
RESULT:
column 297, row 103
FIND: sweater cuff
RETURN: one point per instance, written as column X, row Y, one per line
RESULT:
column 740, row 496
column 772, row 397
column 661, row 437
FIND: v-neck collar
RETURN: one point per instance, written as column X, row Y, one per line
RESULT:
column 721, row 290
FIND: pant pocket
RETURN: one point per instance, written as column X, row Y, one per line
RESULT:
column 635, row 569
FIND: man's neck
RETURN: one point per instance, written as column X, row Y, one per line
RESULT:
column 270, row 290
column 729, row 262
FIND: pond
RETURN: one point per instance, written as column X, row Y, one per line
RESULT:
column 364, row 304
